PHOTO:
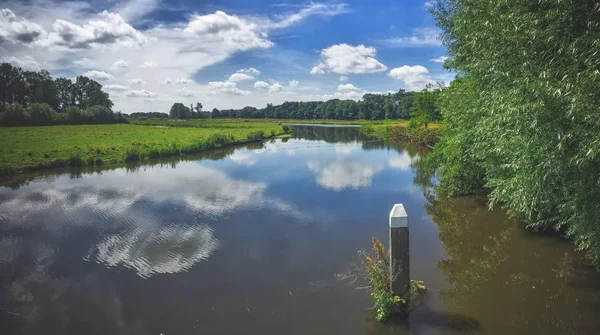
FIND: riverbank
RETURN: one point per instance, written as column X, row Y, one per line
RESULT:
column 237, row 123
column 400, row 130
column 35, row 148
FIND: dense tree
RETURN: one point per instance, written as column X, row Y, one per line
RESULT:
column 179, row 111
column 523, row 117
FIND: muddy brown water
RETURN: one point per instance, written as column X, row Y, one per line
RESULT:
column 254, row 240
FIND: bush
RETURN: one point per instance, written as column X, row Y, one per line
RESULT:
column 14, row 115
column 286, row 129
column 132, row 155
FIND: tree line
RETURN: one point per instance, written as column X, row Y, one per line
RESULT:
column 35, row 98
column 521, row 120
column 422, row 106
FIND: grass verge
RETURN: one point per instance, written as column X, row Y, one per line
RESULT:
column 32, row 148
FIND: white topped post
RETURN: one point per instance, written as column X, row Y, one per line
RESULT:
column 399, row 250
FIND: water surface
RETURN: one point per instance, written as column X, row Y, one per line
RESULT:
column 255, row 241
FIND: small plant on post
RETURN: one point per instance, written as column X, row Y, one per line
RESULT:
column 376, row 268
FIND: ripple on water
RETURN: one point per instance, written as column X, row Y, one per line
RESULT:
column 149, row 251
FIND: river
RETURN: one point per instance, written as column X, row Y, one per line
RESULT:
column 260, row 240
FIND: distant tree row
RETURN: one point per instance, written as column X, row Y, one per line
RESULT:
column 399, row 105
column 34, row 98
column 148, row 115
column 181, row 111
column 41, row 114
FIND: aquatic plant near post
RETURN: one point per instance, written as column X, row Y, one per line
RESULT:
column 375, row 267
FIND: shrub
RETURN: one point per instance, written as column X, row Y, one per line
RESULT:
column 286, row 129
column 75, row 160
column 14, row 115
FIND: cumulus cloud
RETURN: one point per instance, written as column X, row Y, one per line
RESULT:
column 421, row 37
column 25, row 62
column 345, row 58
column 227, row 87
column 240, row 77
column 141, row 94
column 121, row 64
column 414, row 77
column 183, row 81
column 185, row 92
column 343, row 78
column 311, row 9
column 348, row 87
column 293, row 83
column 317, row 70
column 231, row 31
column 167, row 81
column 275, row 87
column 104, row 30
column 440, row 59
column 148, row 64
column 84, row 62
column 115, row 87
column 98, row 75
column 261, row 84
column 249, row 71
column 137, row 81
column 15, row 29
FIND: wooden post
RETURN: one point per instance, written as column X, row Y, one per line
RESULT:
column 399, row 250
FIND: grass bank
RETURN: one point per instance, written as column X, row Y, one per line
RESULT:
column 243, row 123
column 400, row 130
column 31, row 148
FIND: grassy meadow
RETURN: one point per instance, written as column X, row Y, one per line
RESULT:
column 29, row 148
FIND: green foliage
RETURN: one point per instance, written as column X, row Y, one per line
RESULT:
column 522, row 120
column 376, row 268
column 286, row 129
column 256, row 135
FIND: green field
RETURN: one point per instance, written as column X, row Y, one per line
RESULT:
column 29, row 148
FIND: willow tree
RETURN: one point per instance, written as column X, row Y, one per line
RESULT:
column 523, row 120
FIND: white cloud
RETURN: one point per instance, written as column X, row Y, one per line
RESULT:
column 141, row 94
column 137, row 81
column 25, row 62
column 98, row 75
column 275, row 88
column 440, row 59
column 121, row 64
column 233, row 32
column 341, row 175
column 344, row 59
column 167, row 81
column 226, row 87
column 15, row 29
column 115, row 87
column 250, row 71
column 240, row 77
column 414, row 77
column 428, row 4
column 293, row 83
column 343, row 78
column 347, row 95
column 84, row 62
column 348, row 87
column 185, row 92
column 311, row 9
column 422, row 37
column 103, row 30
column 148, row 64
column 261, row 84
column 183, row 81
column 317, row 70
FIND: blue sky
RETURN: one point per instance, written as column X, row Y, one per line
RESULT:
column 149, row 54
